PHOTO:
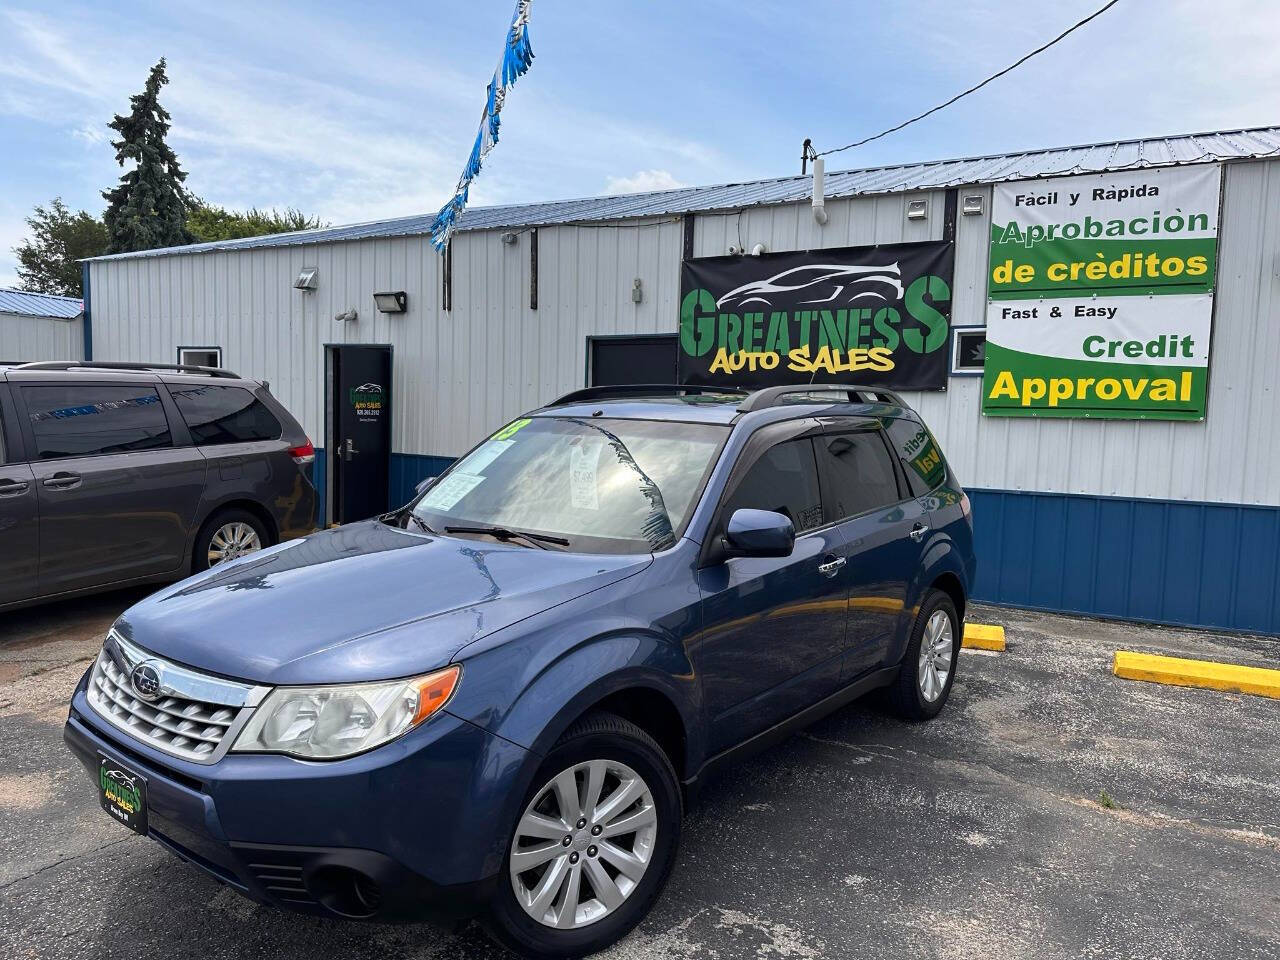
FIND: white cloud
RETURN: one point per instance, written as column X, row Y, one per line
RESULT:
column 643, row 181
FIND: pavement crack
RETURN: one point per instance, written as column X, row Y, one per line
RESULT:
column 65, row 860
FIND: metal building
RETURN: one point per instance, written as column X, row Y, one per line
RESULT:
column 40, row 326
column 1160, row 521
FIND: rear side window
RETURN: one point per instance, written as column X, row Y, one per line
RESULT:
column 785, row 480
column 217, row 414
column 82, row 420
column 860, row 473
column 921, row 459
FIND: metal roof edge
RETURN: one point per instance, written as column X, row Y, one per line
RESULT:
column 631, row 206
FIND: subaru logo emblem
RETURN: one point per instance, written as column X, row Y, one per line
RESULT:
column 145, row 681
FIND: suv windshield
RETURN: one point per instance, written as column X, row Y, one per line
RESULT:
column 604, row 485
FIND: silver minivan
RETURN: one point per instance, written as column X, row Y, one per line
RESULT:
column 114, row 474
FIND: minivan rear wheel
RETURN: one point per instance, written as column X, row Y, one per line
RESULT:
column 593, row 843
column 225, row 536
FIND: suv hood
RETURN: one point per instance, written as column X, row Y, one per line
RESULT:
column 361, row 602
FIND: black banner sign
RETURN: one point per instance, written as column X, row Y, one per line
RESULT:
column 873, row 315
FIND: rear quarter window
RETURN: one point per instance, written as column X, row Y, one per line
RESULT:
column 920, row 454
column 216, row 414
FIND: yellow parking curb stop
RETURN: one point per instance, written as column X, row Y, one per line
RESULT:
column 983, row 636
column 1196, row 673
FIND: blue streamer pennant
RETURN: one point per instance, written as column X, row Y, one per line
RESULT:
column 517, row 55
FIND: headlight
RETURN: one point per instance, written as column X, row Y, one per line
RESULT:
column 324, row 723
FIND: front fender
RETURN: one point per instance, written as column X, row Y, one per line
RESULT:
column 534, row 704
column 535, row 710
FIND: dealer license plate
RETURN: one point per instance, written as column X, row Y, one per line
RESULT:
column 123, row 793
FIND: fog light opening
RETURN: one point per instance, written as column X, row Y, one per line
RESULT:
column 346, row 892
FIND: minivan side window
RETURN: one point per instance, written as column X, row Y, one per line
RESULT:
column 86, row 419
column 921, row 459
column 217, row 414
column 785, row 480
column 859, row 468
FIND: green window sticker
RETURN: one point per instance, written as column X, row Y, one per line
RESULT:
column 510, row 430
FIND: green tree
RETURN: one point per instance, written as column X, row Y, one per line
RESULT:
column 208, row 222
column 148, row 208
column 47, row 260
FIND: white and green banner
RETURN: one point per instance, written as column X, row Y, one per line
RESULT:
column 1100, row 295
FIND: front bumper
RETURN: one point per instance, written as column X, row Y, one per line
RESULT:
column 406, row 831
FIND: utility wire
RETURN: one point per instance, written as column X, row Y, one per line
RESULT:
column 995, row 76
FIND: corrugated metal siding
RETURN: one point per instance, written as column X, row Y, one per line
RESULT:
column 39, row 338
column 1233, row 457
column 1205, row 564
column 456, row 374
column 459, row 374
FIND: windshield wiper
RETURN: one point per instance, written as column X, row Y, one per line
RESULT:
column 502, row 533
column 422, row 524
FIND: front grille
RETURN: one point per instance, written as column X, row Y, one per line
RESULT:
column 193, row 716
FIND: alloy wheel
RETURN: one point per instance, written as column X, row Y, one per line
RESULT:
column 232, row 540
column 583, row 844
column 936, row 649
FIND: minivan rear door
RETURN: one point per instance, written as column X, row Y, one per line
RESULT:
column 117, row 497
column 19, row 512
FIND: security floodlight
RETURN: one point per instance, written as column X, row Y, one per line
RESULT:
column 308, row 279
column 393, row 302
column 917, row 209
column 972, row 205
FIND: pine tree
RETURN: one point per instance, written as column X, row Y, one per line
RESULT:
column 148, row 208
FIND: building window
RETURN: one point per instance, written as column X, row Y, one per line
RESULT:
column 200, row 356
column 968, row 351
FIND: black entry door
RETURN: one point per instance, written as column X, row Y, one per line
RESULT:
column 359, row 428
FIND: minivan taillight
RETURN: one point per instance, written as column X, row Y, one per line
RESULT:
column 304, row 454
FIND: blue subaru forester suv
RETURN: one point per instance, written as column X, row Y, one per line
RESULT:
column 499, row 698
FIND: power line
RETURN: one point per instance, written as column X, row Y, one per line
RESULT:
column 995, row 76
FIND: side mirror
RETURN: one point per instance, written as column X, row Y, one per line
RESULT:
column 759, row 533
column 424, row 485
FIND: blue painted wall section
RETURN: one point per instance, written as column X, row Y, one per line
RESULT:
column 1164, row 561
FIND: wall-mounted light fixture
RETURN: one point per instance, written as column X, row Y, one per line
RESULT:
column 509, row 239
column 917, row 209
column 637, row 291
column 971, row 206
column 308, row 279
column 396, row 301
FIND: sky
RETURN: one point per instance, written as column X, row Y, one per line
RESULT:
column 359, row 111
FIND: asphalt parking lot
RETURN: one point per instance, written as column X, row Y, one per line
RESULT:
column 1052, row 811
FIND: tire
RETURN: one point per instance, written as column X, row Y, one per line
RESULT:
column 232, row 524
column 606, row 746
column 915, row 695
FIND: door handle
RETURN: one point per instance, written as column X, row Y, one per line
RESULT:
column 11, row 488
column 62, row 481
column 918, row 531
column 832, row 567
column 348, row 450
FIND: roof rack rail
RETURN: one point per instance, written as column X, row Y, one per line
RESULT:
column 619, row 391
column 772, row 396
column 113, row 365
